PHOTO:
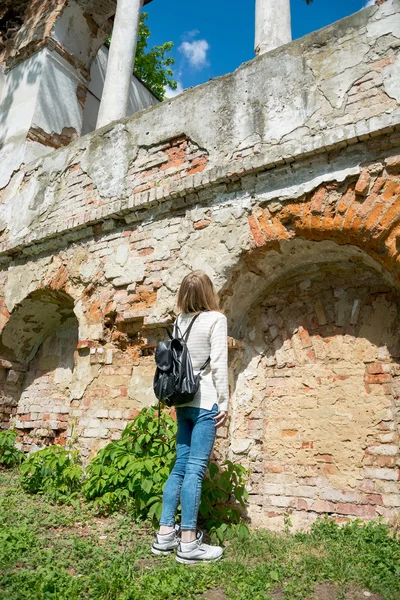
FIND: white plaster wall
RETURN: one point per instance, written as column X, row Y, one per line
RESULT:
column 40, row 92
column 20, row 91
column 139, row 96
column 2, row 83
column 19, row 97
column 57, row 104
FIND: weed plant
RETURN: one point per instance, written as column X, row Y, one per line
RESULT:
column 129, row 474
column 10, row 456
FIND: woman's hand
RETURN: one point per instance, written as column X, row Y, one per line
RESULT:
column 220, row 419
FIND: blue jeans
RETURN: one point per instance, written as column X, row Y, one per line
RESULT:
column 194, row 442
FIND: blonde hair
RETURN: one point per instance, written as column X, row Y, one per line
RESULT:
column 196, row 294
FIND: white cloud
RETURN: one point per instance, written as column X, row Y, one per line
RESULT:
column 369, row 3
column 172, row 93
column 196, row 53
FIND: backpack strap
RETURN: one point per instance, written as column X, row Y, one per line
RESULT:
column 189, row 329
column 186, row 336
column 205, row 364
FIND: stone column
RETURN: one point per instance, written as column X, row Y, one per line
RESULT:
column 114, row 101
column 273, row 25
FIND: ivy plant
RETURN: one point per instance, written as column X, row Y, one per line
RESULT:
column 132, row 471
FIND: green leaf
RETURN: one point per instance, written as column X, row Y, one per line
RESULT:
column 146, row 485
column 153, row 67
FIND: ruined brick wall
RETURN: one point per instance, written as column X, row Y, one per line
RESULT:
column 295, row 217
column 26, row 27
column 320, row 376
column 314, row 374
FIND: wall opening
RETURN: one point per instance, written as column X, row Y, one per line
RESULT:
column 317, row 394
column 43, row 331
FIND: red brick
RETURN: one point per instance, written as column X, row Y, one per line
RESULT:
column 266, row 227
column 383, row 62
column 323, row 506
column 386, row 461
column 274, row 468
column 392, row 188
column 255, row 231
column 146, row 251
column 318, row 198
column 393, row 161
column 305, row 338
column 375, row 369
column 363, row 184
column 329, row 469
column 176, row 162
column 307, row 445
column 289, row 432
column 383, row 378
column 328, row 458
column 201, row 224
column 373, row 499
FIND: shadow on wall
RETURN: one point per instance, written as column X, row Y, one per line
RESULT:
column 43, row 332
column 317, row 386
column 16, row 102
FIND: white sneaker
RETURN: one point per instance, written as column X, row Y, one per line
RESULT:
column 195, row 552
column 165, row 544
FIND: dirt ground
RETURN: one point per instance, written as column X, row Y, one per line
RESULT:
column 322, row 591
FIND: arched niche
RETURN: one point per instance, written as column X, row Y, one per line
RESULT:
column 316, row 386
column 42, row 335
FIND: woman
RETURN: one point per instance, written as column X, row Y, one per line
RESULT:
column 197, row 421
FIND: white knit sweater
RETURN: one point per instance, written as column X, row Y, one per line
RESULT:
column 208, row 338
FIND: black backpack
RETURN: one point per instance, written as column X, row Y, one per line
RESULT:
column 174, row 381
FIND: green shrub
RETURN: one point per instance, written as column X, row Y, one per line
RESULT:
column 131, row 472
column 223, row 495
column 54, row 471
column 10, row 456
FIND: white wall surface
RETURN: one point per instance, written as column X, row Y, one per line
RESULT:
column 139, row 96
column 17, row 106
column 40, row 92
column 2, row 83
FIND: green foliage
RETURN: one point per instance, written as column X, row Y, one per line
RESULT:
column 54, row 471
column 51, row 552
column 377, row 547
column 153, row 67
column 131, row 472
column 10, row 456
column 222, row 494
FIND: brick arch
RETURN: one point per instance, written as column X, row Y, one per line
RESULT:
column 33, row 319
column 364, row 213
column 42, row 335
column 316, row 392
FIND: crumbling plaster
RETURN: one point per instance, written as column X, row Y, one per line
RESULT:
column 280, row 188
column 270, row 111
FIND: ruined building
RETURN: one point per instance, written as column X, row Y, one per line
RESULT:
column 281, row 180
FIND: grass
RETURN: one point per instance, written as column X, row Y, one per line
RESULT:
column 50, row 552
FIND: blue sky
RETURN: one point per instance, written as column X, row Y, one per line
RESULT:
column 214, row 37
